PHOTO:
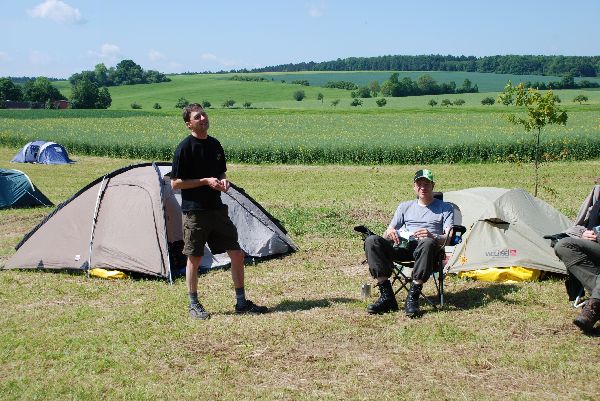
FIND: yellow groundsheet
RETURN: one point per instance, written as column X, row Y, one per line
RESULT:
column 503, row 274
column 108, row 274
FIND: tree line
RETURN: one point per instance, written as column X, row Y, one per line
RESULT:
column 88, row 88
column 579, row 66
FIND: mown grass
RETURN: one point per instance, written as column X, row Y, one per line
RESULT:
column 64, row 336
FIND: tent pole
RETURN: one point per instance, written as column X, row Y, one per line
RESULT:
column 94, row 220
column 160, row 185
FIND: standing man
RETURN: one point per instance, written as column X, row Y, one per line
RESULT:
column 426, row 222
column 199, row 172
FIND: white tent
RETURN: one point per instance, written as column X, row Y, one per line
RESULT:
column 504, row 228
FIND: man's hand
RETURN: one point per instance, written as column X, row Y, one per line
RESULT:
column 225, row 184
column 422, row 233
column 390, row 233
column 217, row 185
column 589, row 235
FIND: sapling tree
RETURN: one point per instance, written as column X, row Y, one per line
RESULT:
column 541, row 111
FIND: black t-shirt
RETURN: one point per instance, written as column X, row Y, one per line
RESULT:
column 199, row 158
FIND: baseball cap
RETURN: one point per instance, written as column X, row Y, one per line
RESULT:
column 427, row 174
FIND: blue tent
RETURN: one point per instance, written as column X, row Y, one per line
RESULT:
column 42, row 152
column 17, row 190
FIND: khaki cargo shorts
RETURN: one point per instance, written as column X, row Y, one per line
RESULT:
column 212, row 227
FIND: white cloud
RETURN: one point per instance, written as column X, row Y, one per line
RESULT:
column 315, row 11
column 108, row 53
column 4, row 56
column 208, row 57
column 57, row 11
column 38, row 58
column 155, row 55
column 217, row 60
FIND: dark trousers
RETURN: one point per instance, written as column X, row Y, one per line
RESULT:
column 582, row 259
column 381, row 254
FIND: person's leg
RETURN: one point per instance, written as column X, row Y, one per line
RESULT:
column 425, row 255
column 380, row 255
column 225, row 236
column 582, row 259
column 194, row 242
column 242, row 304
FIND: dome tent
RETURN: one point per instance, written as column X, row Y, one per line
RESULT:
column 43, row 153
column 17, row 190
column 130, row 220
column 505, row 228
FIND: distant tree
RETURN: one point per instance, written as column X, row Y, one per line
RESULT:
column 41, row 90
column 206, row 104
column 10, row 91
column 381, row 102
column 156, row 106
column 362, row 91
column 341, row 85
column 467, row 87
column 427, row 85
column 580, row 99
column 488, row 101
column 104, row 100
column 228, row 103
column 541, row 111
column 320, row 97
column 375, row 88
column 85, row 94
column 181, row 103
column 335, row 102
column 459, row 102
column 247, row 105
column 432, row 103
column 299, row 95
column 446, row 102
column 302, row 82
column 136, row 105
column 101, row 75
column 127, row 73
column 356, row 102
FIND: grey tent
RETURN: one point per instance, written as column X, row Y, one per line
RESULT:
column 17, row 190
column 130, row 219
column 504, row 228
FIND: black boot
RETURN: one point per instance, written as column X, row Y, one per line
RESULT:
column 590, row 314
column 411, row 305
column 386, row 301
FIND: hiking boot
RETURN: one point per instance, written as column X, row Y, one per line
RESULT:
column 386, row 301
column 590, row 314
column 411, row 305
column 197, row 312
column 250, row 307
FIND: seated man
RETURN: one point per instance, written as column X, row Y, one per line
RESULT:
column 427, row 220
column 580, row 253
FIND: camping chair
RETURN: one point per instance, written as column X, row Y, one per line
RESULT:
column 402, row 269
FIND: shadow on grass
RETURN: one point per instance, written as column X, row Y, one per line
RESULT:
column 472, row 298
column 293, row 306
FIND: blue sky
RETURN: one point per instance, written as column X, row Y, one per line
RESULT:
column 57, row 38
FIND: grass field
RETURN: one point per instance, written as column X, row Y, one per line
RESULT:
column 65, row 336
column 216, row 88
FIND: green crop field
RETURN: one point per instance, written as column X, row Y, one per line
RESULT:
column 389, row 135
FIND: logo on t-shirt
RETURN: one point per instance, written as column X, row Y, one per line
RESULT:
column 219, row 156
